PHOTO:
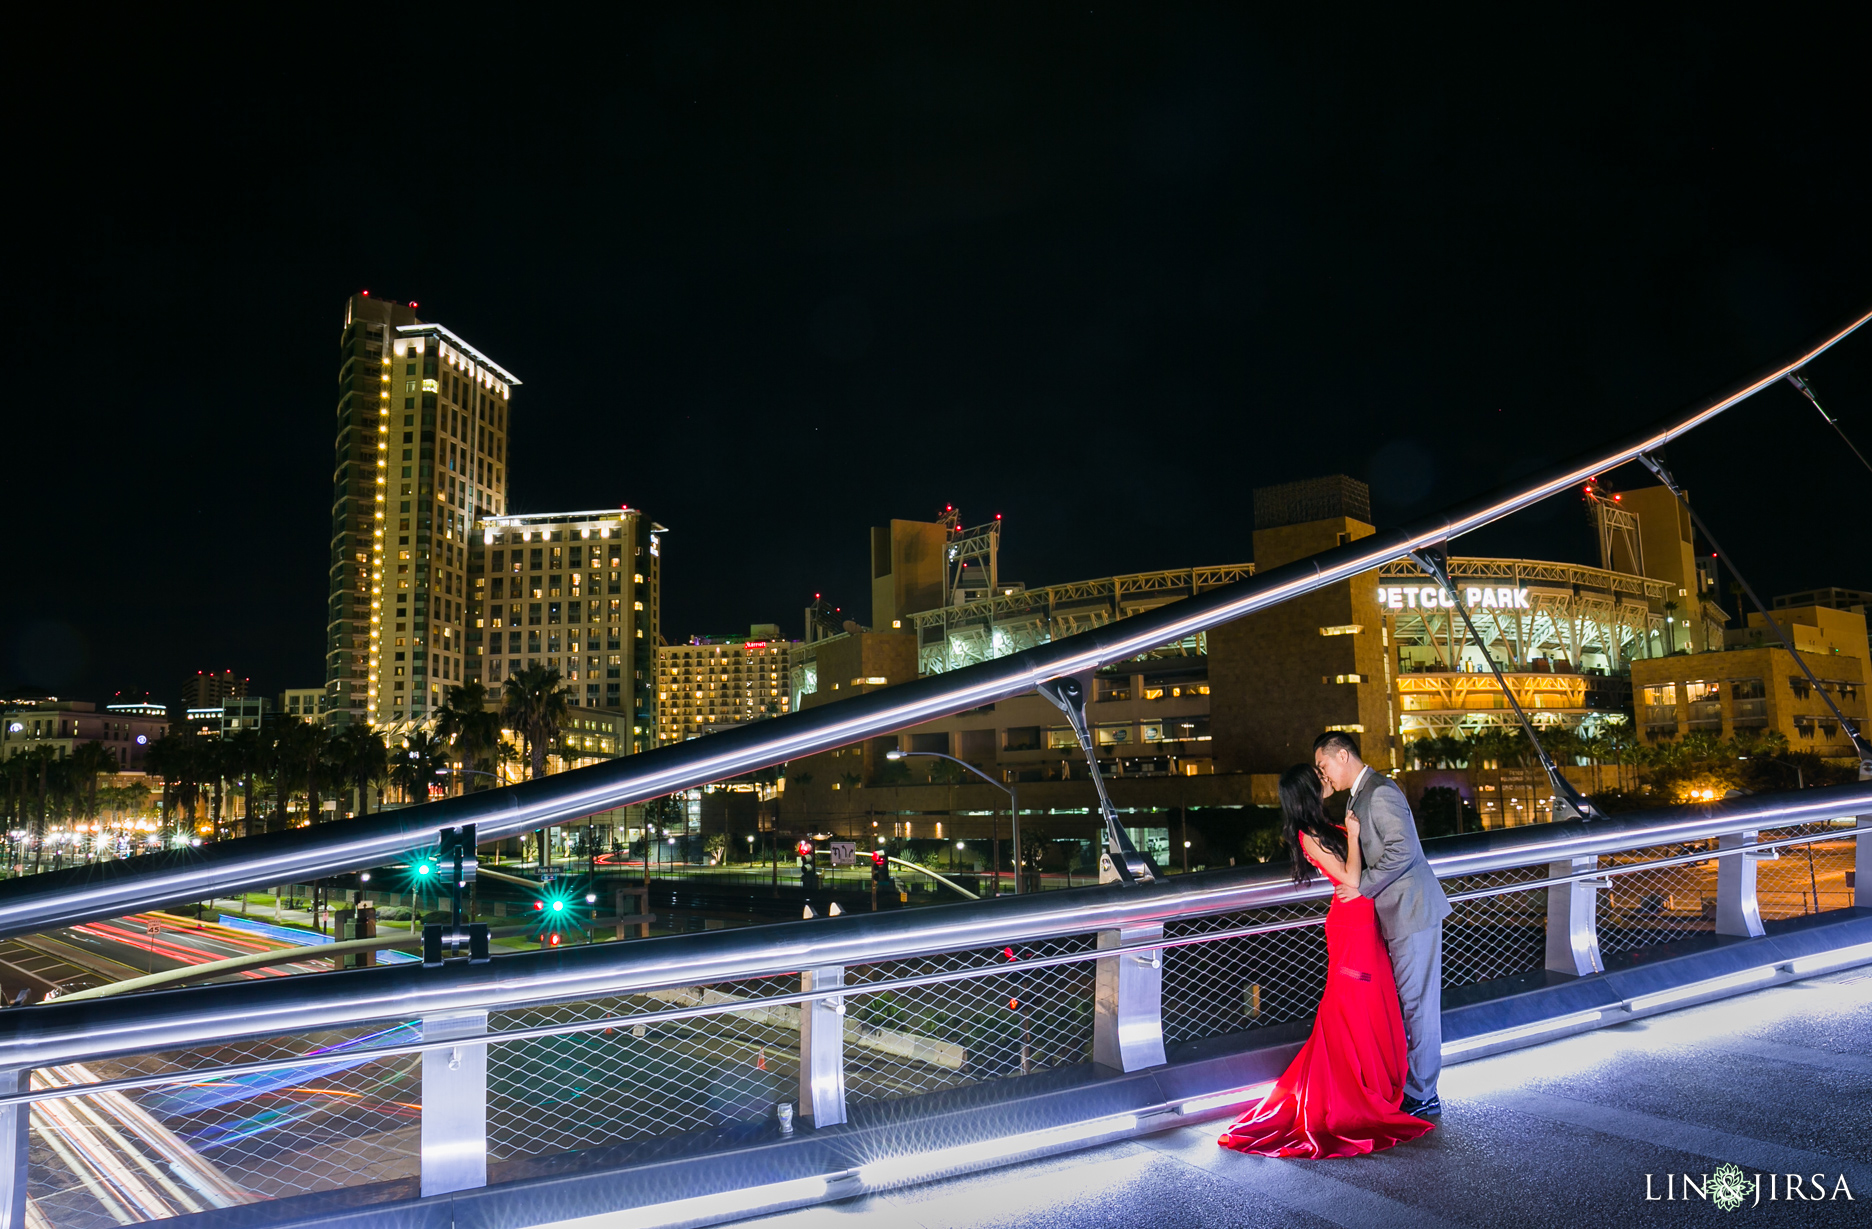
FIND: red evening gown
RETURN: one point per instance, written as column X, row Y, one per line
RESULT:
column 1340, row 1095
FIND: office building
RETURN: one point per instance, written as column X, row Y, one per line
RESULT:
column 1856, row 600
column 306, row 703
column 208, row 689
column 245, row 713
column 421, row 454
column 64, row 725
column 576, row 592
column 1753, row 684
column 715, row 683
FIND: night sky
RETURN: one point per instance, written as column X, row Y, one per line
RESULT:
column 776, row 275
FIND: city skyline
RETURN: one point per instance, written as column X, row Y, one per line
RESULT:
column 1115, row 305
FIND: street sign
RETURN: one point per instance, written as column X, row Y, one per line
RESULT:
column 843, row 853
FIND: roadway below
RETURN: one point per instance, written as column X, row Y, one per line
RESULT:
column 1567, row 1133
column 93, row 954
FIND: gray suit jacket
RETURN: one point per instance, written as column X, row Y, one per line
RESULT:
column 1393, row 871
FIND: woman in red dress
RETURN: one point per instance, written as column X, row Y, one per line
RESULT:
column 1340, row 1095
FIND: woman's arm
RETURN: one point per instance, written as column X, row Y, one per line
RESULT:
column 1352, row 860
column 1334, row 867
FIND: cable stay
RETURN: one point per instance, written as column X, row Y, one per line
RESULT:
column 1121, row 861
column 1860, row 745
column 1566, row 797
column 1807, row 391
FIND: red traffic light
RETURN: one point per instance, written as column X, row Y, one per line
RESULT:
column 878, row 858
column 539, row 905
column 552, row 940
column 805, row 849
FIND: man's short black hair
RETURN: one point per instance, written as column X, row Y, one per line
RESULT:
column 1336, row 738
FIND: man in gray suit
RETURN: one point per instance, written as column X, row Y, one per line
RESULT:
column 1408, row 900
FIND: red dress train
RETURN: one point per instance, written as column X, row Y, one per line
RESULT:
column 1340, row 1095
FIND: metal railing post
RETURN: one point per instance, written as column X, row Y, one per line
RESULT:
column 15, row 1123
column 454, row 1104
column 1127, row 1019
column 1573, row 920
column 1862, row 858
column 822, row 1048
column 1737, row 912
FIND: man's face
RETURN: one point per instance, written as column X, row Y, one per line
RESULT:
column 1331, row 763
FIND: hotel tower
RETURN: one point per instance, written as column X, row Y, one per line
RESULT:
column 421, row 457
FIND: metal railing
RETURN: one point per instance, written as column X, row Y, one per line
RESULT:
column 396, row 1081
column 91, row 893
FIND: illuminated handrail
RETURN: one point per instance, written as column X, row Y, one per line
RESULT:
column 60, row 1032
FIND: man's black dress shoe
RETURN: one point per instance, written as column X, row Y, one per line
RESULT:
column 1422, row 1109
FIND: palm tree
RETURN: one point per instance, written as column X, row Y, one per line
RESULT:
column 88, row 761
column 39, row 767
column 413, row 767
column 172, row 757
column 533, row 703
column 361, row 760
column 301, row 758
column 244, row 755
column 470, row 727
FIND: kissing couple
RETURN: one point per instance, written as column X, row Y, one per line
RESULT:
column 1367, row 1076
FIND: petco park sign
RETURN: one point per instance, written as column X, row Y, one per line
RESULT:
column 1430, row 597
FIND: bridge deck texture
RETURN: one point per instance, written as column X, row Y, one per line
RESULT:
column 1559, row 1134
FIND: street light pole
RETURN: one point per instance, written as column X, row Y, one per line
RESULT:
column 1013, row 793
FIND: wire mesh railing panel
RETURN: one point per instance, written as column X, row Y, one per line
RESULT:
column 1498, row 935
column 339, row 1120
column 1809, row 877
column 1228, row 985
column 589, row 1089
column 1646, row 908
column 906, row 1041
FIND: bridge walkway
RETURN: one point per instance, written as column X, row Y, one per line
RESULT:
column 1560, row 1134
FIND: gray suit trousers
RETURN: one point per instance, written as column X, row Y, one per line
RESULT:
column 1417, row 964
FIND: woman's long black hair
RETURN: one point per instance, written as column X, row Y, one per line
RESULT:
column 1303, row 810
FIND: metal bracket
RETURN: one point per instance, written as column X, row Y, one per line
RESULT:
column 1121, row 861
column 458, row 849
column 436, row 937
column 1436, row 563
column 1861, row 747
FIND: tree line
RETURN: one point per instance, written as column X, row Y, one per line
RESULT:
column 290, row 760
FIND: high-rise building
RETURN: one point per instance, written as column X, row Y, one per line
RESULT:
column 421, row 455
column 576, row 592
column 715, row 683
column 208, row 690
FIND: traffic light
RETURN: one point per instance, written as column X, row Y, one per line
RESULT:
column 880, row 867
column 553, row 913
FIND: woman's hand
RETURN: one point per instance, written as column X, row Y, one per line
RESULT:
column 1349, row 891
